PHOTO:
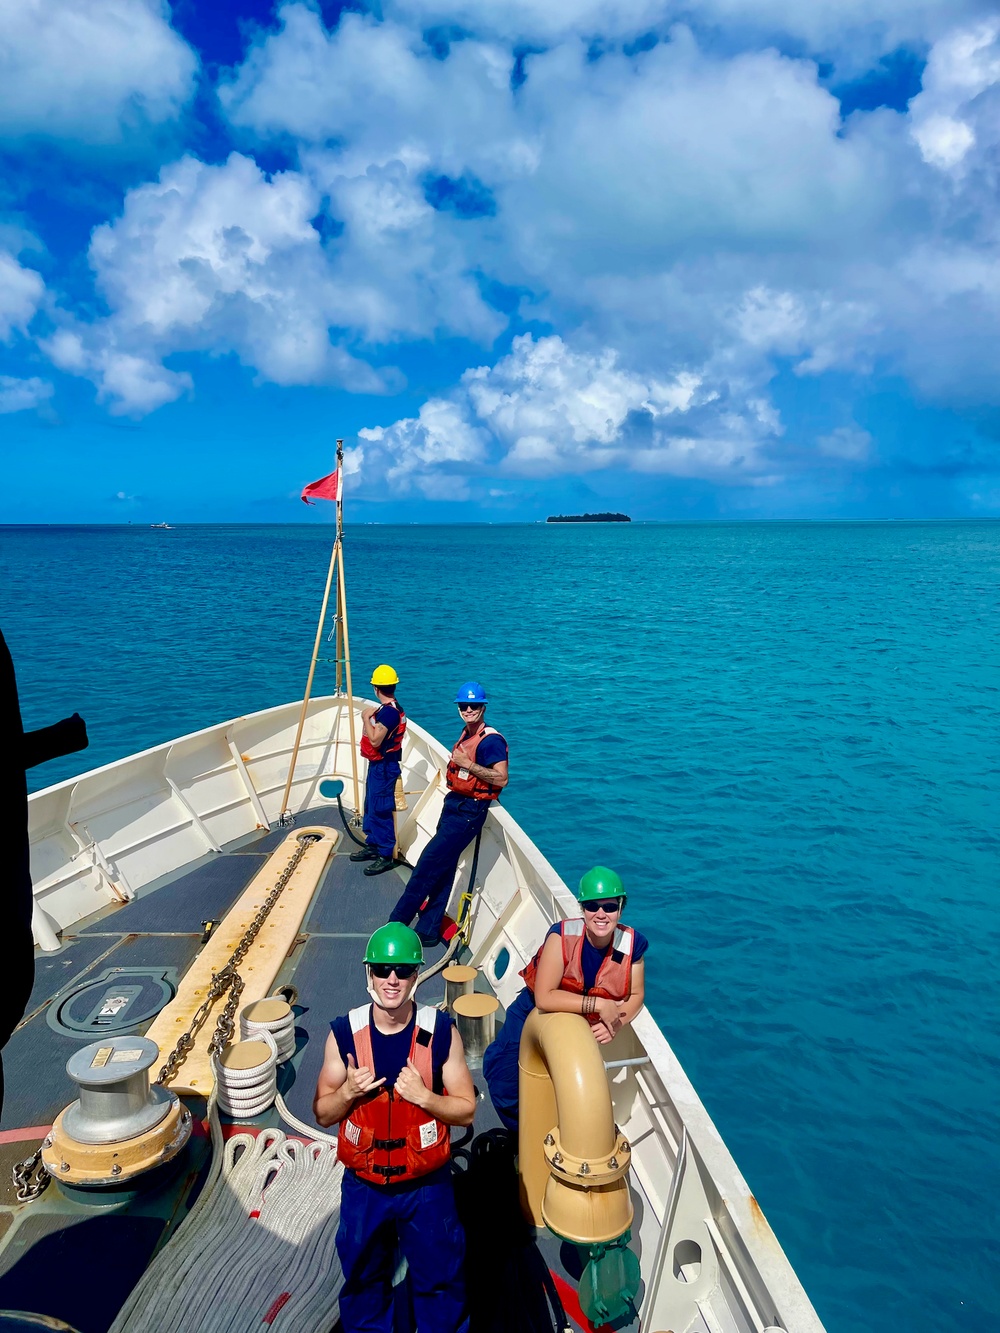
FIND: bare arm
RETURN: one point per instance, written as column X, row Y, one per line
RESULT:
column 459, row 1107
column 375, row 731
column 497, row 776
column 340, row 1085
column 631, row 1006
column 612, row 1013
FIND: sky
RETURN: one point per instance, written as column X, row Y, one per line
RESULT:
column 682, row 258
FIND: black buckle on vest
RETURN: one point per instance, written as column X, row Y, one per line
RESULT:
column 389, row 1171
column 423, row 1037
column 388, row 1145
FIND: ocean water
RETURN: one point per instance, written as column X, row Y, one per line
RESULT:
column 785, row 737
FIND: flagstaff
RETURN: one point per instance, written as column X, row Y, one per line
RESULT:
column 329, row 487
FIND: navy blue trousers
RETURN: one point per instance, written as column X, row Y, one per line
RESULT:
column 424, row 1222
column 500, row 1060
column 434, row 874
column 380, row 802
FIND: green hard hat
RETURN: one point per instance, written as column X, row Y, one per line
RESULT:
column 600, row 882
column 394, row 943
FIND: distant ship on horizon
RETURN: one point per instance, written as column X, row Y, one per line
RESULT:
column 588, row 518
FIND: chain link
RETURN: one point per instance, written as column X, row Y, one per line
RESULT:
column 30, row 1177
column 229, row 979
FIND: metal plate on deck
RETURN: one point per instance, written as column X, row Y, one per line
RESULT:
column 119, row 1001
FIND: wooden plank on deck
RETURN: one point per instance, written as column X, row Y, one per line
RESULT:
column 261, row 964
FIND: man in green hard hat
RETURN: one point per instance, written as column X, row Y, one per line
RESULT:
column 394, row 1078
column 590, row 965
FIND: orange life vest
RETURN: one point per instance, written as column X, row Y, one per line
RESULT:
column 614, row 977
column 460, row 780
column 392, row 741
column 385, row 1138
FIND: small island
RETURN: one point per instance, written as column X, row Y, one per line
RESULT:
column 588, row 518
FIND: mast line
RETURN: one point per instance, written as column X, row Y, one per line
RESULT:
column 344, row 638
column 336, row 563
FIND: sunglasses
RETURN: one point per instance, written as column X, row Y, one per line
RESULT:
column 470, row 708
column 609, row 905
column 385, row 970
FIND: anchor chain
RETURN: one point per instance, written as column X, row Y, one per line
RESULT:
column 30, row 1178
column 228, row 978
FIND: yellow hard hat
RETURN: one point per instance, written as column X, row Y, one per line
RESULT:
column 384, row 675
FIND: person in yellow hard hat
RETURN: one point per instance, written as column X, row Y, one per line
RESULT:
column 382, row 745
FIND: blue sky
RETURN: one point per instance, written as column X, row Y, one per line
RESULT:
column 723, row 258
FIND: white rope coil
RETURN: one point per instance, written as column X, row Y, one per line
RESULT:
column 281, row 1028
column 245, row 1092
column 310, row 1131
column 257, row 1249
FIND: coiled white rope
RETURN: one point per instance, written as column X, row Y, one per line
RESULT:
column 257, row 1249
column 246, row 1082
column 310, row 1131
column 274, row 1016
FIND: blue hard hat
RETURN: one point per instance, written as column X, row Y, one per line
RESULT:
column 471, row 693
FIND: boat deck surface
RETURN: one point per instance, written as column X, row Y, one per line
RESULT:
column 517, row 1280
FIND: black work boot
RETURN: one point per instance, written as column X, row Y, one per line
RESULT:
column 380, row 866
column 366, row 853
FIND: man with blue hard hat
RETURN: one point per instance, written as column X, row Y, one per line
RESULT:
column 477, row 771
column 394, row 1077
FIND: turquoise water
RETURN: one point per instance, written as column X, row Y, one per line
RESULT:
column 785, row 737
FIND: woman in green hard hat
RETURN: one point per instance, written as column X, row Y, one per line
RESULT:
column 394, row 1076
column 590, row 965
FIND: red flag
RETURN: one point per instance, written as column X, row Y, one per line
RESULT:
column 327, row 488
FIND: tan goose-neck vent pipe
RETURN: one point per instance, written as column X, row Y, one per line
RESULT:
column 572, row 1160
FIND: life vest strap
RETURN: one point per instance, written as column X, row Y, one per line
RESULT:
column 359, row 1018
column 624, row 942
column 426, row 1018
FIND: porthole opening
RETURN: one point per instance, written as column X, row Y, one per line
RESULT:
column 501, row 963
column 687, row 1261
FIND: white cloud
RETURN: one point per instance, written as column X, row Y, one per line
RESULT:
column 21, row 292
column 422, row 452
column 18, row 395
column 859, row 28
column 545, row 401
column 216, row 259
column 961, row 67
column 87, row 71
column 132, row 384
column 943, row 140
column 547, row 409
column 370, row 81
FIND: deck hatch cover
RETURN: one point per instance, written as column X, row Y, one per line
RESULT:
column 119, row 1001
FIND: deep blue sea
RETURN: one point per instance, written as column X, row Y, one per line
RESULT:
column 785, row 737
